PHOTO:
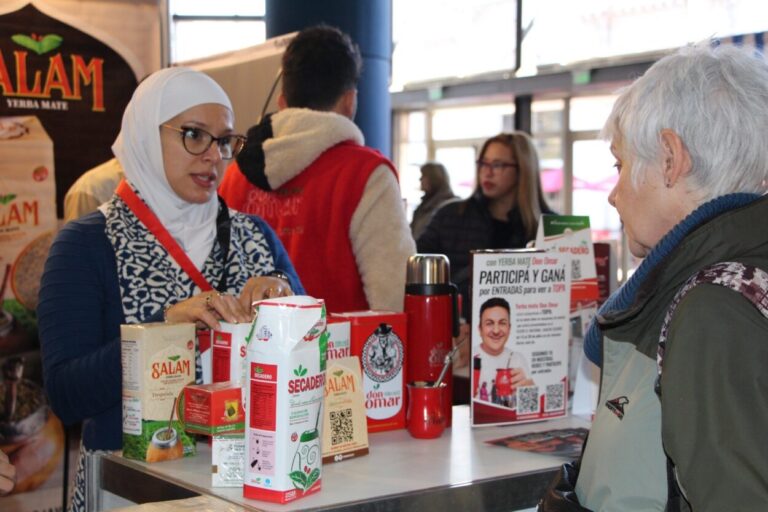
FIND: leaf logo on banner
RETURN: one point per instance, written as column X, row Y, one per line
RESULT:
column 7, row 198
column 38, row 44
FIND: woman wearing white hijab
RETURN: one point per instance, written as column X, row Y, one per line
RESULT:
column 163, row 248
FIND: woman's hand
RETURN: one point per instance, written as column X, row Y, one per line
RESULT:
column 208, row 308
column 263, row 287
column 7, row 475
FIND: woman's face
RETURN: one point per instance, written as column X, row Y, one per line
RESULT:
column 424, row 181
column 497, row 171
column 645, row 210
column 195, row 178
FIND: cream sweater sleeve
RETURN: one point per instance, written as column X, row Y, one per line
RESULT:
column 382, row 241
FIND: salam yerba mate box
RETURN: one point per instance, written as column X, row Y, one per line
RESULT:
column 158, row 360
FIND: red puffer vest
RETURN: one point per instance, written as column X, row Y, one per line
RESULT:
column 312, row 214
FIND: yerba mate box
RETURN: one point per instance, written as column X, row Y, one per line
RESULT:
column 378, row 338
column 158, row 360
column 213, row 409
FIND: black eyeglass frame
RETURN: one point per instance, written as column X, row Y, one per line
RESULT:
column 235, row 148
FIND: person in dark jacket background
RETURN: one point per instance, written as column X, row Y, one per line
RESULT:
column 502, row 213
column 436, row 185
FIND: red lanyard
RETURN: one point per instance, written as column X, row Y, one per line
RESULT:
column 153, row 224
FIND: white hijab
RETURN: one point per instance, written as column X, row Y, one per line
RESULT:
column 160, row 97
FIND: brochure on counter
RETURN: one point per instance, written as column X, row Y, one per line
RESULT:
column 564, row 442
column 520, row 312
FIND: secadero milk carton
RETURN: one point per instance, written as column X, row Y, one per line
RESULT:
column 284, row 392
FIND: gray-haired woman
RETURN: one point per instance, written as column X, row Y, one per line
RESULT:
column 691, row 150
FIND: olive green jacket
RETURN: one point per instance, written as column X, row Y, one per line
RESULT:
column 712, row 417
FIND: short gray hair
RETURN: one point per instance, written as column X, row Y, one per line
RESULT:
column 716, row 99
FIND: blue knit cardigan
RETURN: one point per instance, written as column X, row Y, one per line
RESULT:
column 79, row 315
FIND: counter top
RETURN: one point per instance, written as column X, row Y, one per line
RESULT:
column 458, row 471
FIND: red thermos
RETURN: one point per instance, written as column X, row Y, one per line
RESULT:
column 431, row 302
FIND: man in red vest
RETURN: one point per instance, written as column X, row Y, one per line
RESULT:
column 334, row 203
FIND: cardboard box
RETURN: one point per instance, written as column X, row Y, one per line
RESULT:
column 378, row 338
column 339, row 338
column 345, row 433
column 229, row 347
column 212, row 409
column 158, row 361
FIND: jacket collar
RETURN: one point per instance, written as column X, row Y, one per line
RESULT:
column 287, row 142
column 695, row 242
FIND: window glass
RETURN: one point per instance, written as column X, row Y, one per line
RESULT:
column 605, row 28
column 471, row 122
column 436, row 39
column 202, row 38
column 593, row 179
column 218, row 30
column 460, row 164
column 590, row 113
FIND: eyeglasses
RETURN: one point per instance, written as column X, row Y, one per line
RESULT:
column 197, row 141
column 495, row 166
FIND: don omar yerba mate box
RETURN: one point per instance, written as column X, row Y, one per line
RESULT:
column 158, row 360
column 379, row 339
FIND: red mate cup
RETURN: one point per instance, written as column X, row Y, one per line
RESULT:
column 431, row 302
column 425, row 416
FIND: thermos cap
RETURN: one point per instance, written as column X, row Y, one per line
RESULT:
column 428, row 269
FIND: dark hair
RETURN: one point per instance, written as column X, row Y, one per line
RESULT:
column 494, row 302
column 320, row 64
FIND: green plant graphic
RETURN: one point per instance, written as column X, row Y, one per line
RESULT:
column 304, row 481
column 339, row 373
column 173, row 358
column 7, row 198
column 38, row 44
column 259, row 369
column 300, row 371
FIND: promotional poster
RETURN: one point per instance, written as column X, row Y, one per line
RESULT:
column 520, row 304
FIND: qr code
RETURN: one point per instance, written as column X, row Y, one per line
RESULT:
column 553, row 398
column 341, row 426
column 575, row 269
column 527, row 399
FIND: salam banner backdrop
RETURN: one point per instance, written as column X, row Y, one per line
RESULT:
column 67, row 70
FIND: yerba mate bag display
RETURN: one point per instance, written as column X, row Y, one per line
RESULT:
column 283, row 393
column 27, row 224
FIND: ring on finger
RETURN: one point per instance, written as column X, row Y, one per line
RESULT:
column 209, row 299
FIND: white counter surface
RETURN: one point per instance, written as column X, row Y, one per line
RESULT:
column 397, row 468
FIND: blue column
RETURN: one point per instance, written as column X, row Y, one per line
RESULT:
column 369, row 24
